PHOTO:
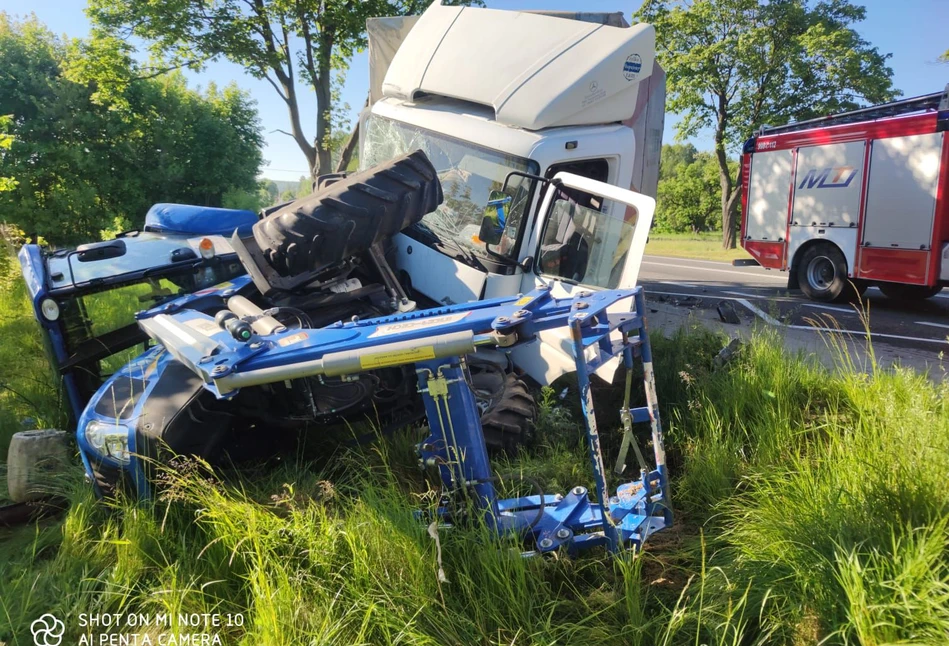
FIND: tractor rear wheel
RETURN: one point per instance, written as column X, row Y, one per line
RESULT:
column 349, row 216
column 508, row 411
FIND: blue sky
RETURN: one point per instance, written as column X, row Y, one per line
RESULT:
column 913, row 31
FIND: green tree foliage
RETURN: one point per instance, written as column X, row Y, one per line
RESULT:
column 85, row 155
column 297, row 45
column 6, row 141
column 734, row 65
column 689, row 193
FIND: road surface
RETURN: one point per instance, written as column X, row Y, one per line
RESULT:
column 762, row 294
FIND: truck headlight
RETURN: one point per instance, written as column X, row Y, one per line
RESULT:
column 50, row 309
column 109, row 440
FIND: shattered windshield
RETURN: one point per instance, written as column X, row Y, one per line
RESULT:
column 468, row 174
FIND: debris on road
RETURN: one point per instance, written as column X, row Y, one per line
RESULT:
column 728, row 313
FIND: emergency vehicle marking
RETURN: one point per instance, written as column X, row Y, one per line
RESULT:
column 839, row 176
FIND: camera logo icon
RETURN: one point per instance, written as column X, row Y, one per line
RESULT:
column 47, row 631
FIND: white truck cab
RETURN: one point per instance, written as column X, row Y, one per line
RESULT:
column 502, row 102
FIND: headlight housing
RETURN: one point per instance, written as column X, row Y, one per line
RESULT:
column 50, row 309
column 109, row 440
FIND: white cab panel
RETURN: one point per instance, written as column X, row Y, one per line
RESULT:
column 536, row 71
column 435, row 275
column 768, row 192
column 828, row 184
column 901, row 196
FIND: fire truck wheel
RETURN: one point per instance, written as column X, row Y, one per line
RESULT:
column 908, row 292
column 822, row 275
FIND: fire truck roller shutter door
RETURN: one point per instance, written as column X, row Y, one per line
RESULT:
column 768, row 195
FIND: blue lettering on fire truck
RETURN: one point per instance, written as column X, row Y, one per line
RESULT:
column 833, row 177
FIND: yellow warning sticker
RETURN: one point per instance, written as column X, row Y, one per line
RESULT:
column 524, row 300
column 293, row 338
column 396, row 357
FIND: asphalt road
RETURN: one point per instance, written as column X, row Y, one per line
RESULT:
column 757, row 293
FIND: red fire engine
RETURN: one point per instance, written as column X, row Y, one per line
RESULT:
column 852, row 200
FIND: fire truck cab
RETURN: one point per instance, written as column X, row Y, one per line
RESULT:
column 853, row 200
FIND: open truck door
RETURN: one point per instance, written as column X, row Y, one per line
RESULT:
column 586, row 235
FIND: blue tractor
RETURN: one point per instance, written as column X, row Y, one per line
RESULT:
column 307, row 325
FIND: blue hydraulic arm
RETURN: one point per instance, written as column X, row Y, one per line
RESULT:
column 436, row 343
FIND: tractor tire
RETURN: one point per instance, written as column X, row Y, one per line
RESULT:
column 822, row 275
column 908, row 292
column 508, row 411
column 348, row 216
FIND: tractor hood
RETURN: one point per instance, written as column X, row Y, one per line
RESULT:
column 536, row 71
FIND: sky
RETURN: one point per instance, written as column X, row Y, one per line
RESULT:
column 913, row 31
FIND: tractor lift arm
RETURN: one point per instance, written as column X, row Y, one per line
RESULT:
column 436, row 342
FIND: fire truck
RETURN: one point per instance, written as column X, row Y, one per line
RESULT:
column 853, row 200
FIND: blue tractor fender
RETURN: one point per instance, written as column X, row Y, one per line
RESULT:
column 187, row 219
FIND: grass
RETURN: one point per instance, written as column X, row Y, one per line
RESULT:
column 28, row 394
column 700, row 246
column 812, row 508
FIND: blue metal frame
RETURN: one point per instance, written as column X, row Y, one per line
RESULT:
column 617, row 519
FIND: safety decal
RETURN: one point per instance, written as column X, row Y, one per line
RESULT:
column 292, row 339
column 396, row 357
column 419, row 324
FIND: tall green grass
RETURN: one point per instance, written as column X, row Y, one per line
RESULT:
column 29, row 397
column 811, row 507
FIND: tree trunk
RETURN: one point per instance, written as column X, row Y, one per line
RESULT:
column 725, row 180
column 347, row 153
column 729, row 221
column 324, row 104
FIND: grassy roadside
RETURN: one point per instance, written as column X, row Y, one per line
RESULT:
column 811, row 506
column 28, row 394
column 700, row 246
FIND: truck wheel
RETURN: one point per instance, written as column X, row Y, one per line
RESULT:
column 909, row 292
column 822, row 275
column 349, row 216
column 507, row 409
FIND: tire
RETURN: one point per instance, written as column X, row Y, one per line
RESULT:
column 508, row 411
column 909, row 292
column 822, row 275
column 348, row 216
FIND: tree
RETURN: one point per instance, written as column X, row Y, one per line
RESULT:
column 688, row 198
column 734, row 65
column 6, row 141
column 296, row 45
column 85, row 159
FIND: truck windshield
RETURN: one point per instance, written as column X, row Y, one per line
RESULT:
column 468, row 174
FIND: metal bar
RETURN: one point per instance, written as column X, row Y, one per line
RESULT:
column 593, row 436
column 652, row 402
column 456, row 439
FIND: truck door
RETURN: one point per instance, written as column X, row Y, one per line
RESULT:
column 578, row 247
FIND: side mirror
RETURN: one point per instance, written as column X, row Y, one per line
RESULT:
column 495, row 217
